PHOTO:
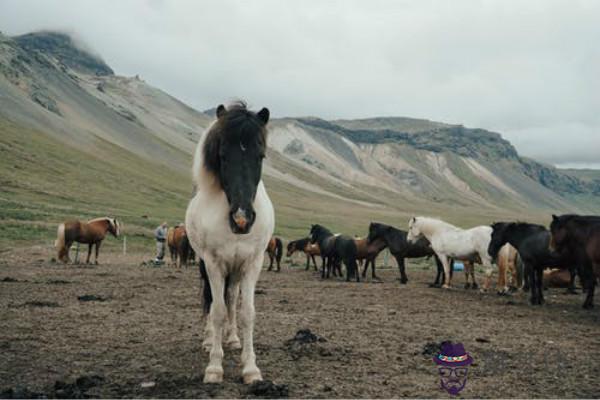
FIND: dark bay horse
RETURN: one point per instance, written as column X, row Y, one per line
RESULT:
column 310, row 249
column 401, row 248
column 577, row 238
column 532, row 242
column 275, row 251
column 368, row 251
column 179, row 246
column 91, row 232
column 335, row 248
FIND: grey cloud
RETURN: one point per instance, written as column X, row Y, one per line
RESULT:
column 526, row 69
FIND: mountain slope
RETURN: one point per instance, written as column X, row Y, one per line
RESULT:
column 80, row 141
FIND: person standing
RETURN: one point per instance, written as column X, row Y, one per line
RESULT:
column 160, row 234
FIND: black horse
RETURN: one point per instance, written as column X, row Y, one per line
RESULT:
column 577, row 238
column 532, row 242
column 400, row 248
column 335, row 248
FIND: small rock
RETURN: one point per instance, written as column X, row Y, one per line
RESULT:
column 91, row 297
column 147, row 384
column 482, row 340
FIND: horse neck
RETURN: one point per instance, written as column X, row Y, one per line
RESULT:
column 378, row 244
column 429, row 227
column 99, row 226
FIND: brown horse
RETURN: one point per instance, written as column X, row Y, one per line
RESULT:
column 368, row 252
column 179, row 246
column 91, row 232
column 275, row 251
column 507, row 263
column 310, row 249
column 556, row 278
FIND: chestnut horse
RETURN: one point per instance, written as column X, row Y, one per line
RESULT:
column 310, row 249
column 275, row 251
column 179, row 246
column 91, row 232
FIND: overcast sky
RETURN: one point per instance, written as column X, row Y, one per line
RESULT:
column 527, row 69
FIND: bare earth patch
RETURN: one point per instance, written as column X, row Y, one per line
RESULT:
column 313, row 338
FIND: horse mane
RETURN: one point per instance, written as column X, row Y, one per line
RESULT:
column 520, row 225
column 234, row 122
column 436, row 220
column 99, row 219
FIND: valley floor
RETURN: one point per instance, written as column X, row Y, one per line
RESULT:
column 146, row 325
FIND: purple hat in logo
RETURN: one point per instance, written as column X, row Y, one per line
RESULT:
column 453, row 355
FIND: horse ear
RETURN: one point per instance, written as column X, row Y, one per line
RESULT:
column 554, row 217
column 263, row 115
column 221, row 110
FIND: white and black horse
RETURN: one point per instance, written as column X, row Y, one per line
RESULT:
column 229, row 222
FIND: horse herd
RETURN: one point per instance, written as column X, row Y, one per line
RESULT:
column 230, row 220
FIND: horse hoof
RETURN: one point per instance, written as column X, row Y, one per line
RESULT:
column 446, row 287
column 474, row 286
column 250, row 377
column 403, row 281
column 467, row 286
column 213, row 376
column 588, row 306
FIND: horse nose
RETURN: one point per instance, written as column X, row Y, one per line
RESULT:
column 240, row 218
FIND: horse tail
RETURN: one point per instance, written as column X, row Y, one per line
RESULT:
column 519, row 268
column 59, row 243
column 278, row 249
column 206, row 291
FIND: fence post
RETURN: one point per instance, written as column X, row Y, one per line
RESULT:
column 386, row 257
column 77, row 254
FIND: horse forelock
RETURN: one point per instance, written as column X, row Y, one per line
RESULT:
column 236, row 125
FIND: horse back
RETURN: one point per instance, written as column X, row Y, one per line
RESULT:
column 345, row 246
column 72, row 230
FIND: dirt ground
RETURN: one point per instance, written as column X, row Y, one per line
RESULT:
column 121, row 329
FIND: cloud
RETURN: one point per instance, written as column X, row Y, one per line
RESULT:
column 525, row 69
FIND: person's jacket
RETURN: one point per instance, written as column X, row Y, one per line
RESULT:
column 160, row 234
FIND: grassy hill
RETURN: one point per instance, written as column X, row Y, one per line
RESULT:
column 78, row 141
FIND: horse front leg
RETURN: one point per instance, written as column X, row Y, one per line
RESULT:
column 540, row 281
column 589, row 283
column 402, row 269
column 97, row 250
column 87, row 261
column 217, row 317
column 323, row 266
column 233, row 340
column 250, row 371
column 308, row 262
column 487, row 264
column 447, row 279
column 533, row 284
column 373, row 276
column 366, row 267
column 314, row 261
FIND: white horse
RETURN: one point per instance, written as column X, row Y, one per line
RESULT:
column 449, row 241
column 229, row 223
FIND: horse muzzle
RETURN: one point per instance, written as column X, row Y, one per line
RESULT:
column 241, row 221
